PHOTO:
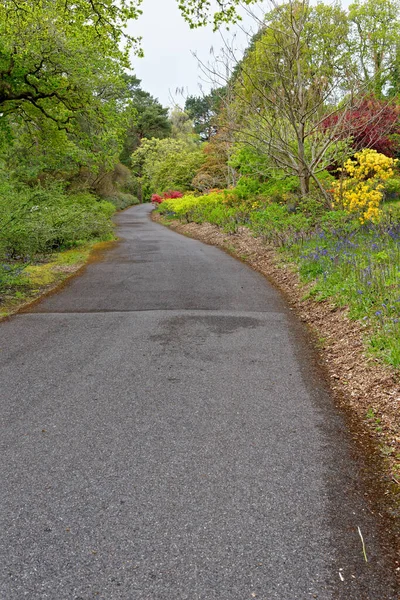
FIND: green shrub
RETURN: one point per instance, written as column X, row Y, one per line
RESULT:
column 122, row 200
column 392, row 189
column 246, row 187
column 42, row 219
column 276, row 188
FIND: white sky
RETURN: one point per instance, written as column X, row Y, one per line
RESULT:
column 168, row 42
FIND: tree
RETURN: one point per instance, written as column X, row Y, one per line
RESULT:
column 181, row 125
column 375, row 40
column 215, row 171
column 150, row 119
column 57, row 54
column 372, row 124
column 292, row 79
column 52, row 51
column 202, row 110
column 162, row 165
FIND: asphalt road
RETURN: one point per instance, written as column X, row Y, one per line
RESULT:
column 166, row 435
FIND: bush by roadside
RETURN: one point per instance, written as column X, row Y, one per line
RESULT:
column 37, row 223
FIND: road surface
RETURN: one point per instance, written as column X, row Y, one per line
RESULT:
column 166, row 435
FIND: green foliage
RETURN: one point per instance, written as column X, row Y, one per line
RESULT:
column 182, row 126
column 247, row 186
column 197, row 12
column 202, row 110
column 392, row 189
column 358, row 266
column 277, row 187
column 283, row 87
column 56, row 52
column 42, row 219
column 376, row 38
column 121, row 200
column 149, row 119
column 251, row 162
column 162, row 165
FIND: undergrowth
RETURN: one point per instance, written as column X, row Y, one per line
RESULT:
column 42, row 229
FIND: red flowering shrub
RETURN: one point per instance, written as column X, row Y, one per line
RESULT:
column 166, row 196
column 371, row 124
column 172, row 194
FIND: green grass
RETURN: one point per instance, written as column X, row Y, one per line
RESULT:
column 21, row 283
column 358, row 269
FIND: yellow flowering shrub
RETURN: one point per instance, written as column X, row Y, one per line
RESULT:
column 361, row 192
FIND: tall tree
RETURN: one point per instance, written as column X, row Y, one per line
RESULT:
column 150, row 119
column 55, row 54
column 162, row 165
column 202, row 110
column 297, row 71
column 375, row 40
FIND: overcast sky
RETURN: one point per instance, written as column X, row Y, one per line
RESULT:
column 168, row 42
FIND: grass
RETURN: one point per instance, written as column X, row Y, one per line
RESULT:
column 22, row 282
column 358, row 269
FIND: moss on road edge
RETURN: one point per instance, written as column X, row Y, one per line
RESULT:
column 42, row 279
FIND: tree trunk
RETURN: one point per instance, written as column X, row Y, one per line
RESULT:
column 304, row 183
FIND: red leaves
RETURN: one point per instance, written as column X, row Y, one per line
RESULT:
column 172, row 194
column 371, row 124
column 157, row 199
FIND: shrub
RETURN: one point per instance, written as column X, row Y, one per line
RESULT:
column 362, row 191
column 392, row 189
column 121, row 200
column 171, row 195
column 42, row 219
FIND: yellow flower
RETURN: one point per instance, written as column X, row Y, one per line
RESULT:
column 361, row 191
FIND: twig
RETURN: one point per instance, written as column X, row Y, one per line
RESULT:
column 363, row 545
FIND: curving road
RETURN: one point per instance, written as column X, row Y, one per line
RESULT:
column 166, row 435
